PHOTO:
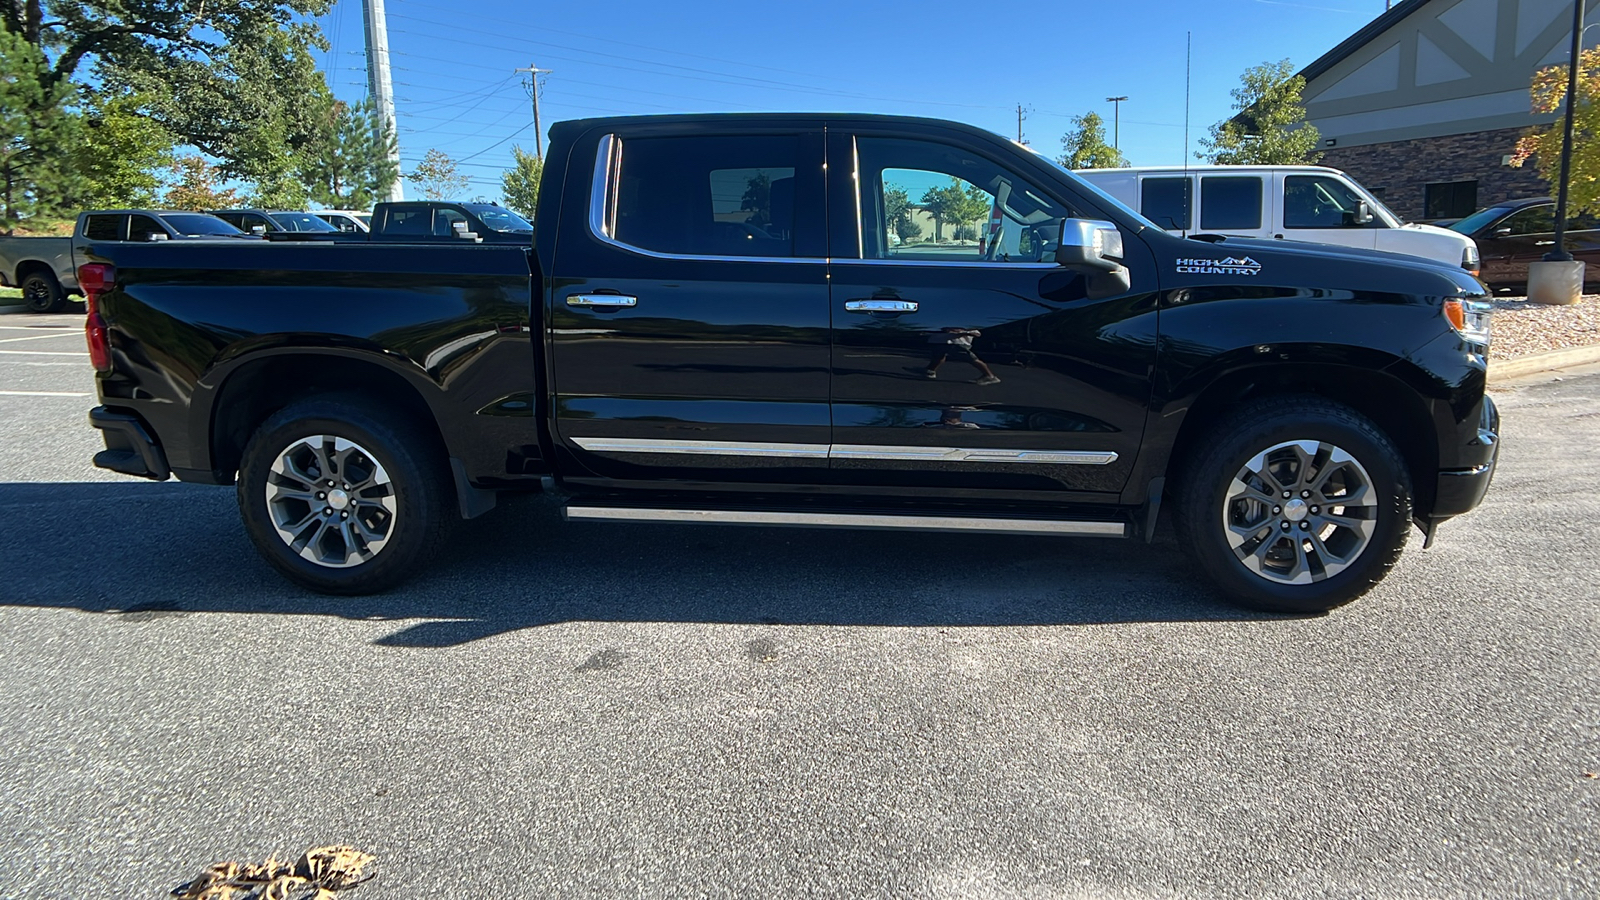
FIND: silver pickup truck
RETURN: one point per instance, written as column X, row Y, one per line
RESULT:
column 46, row 268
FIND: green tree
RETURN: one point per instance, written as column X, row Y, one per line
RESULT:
column 119, row 154
column 1270, row 128
column 521, row 182
column 437, row 176
column 953, row 204
column 35, row 128
column 757, row 199
column 1549, row 95
column 195, row 186
column 897, row 213
column 350, row 167
column 1085, row 147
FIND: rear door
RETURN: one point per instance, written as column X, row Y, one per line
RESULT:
column 964, row 358
column 689, row 325
column 1168, row 201
column 1236, row 205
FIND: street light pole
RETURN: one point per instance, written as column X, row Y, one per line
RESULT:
column 1559, row 252
column 1116, row 122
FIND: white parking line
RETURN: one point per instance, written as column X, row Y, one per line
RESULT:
column 36, row 337
column 40, row 394
column 44, row 353
column 37, row 328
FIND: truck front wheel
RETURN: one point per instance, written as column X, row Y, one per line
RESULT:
column 43, row 293
column 1295, row 504
column 341, row 498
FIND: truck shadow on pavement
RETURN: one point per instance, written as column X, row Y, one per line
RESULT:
column 144, row 551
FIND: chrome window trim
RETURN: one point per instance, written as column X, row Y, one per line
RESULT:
column 702, row 448
column 603, row 211
column 985, row 263
column 850, row 451
column 849, row 520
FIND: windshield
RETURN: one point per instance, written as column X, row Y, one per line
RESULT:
column 363, row 218
column 300, row 221
column 1479, row 219
column 198, row 223
column 499, row 218
column 1093, row 189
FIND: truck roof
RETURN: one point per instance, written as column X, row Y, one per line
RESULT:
column 1202, row 169
column 767, row 119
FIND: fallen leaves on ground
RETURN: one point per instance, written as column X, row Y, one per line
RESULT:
column 318, row 874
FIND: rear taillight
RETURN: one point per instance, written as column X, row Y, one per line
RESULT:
column 95, row 279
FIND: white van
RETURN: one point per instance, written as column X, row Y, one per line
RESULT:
column 1293, row 203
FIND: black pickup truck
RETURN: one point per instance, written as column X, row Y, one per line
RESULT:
column 734, row 319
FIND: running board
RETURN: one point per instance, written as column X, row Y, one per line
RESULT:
column 1084, row 528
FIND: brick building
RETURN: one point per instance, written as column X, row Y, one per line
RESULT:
column 1426, row 103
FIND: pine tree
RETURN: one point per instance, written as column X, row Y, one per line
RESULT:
column 35, row 130
column 350, row 168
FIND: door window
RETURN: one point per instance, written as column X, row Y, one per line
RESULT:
column 103, row 228
column 1319, row 201
column 927, row 202
column 1533, row 220
column 141, row 227
column 445, row 220
column 707, row 196
column 1168, row 202
column 1230, row 203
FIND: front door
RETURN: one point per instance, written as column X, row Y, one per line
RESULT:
column 689, row 329
column 1323, row 209
column 964, row 358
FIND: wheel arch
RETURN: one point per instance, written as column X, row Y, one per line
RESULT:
column 29, row 267
column 245, row 392
column 1392, row 404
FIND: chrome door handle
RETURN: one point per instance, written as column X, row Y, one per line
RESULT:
column 880, row 306
column 612, row 301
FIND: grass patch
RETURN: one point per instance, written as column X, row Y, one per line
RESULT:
column 10, row 295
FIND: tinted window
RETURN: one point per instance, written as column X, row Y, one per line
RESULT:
column 1450, row 199
column 342, row 223
column 413, row 221
column 1320, row 201
column 1230, row 202
column 916, row 207
column 195, row 223
column 445, row 220
column 141, row 227
column 103, row 228
column 1166, row 202
column 1478, row 219
column 1533, row 220
column 253, row 220
column 710, row 196
column 500, row 219
column 296, row 221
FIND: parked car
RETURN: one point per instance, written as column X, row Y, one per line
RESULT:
column 1295, row 203
column 264, row 222
column 1080, row 372
column 1513, row 234
column 432, row 220
column 45, row 268
column 346, row 220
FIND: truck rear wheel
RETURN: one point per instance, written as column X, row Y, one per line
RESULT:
column 342, row 498
column 43, row 293
column 1295, row 504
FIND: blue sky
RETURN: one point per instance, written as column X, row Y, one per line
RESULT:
column 971, row 61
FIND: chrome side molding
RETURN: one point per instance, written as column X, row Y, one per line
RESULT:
column 851, row 451
column 849, row 520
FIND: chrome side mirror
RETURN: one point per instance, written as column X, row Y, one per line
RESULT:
column 156, row 236
column 258, row 230
column 1094, row 247
column 460, row 230
column 1363, row 214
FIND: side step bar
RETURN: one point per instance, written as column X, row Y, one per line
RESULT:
column 847, row 520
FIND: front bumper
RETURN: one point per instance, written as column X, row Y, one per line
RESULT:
column 130, row 448
column 1461, row 490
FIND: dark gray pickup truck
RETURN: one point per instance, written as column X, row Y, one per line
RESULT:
column 46, row 268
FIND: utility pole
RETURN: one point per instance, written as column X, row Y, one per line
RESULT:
column 1116, row 122
column 379, row 85
column 533, row 73
column 1022, row 113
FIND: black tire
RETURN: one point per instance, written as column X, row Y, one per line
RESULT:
column 423, row 499
column 43, row 293
column 1203, row 504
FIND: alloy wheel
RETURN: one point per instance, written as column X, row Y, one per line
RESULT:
column 1300, row 512
column 331, row 501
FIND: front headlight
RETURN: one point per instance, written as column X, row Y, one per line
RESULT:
column 1470, row 319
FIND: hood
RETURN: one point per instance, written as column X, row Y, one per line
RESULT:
column 1307, row 265
column 1431, row 229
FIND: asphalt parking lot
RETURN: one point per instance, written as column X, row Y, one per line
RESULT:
column 655, row 711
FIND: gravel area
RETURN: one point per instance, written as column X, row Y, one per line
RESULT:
column 1522, row 328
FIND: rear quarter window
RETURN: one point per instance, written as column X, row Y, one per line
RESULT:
column 103, row 228
column 1167, row 202
column 1230, row 203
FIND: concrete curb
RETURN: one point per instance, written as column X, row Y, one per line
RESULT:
column 1503, row 370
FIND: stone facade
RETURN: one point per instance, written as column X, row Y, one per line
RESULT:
column 1398, row 171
